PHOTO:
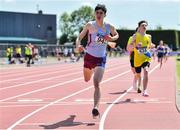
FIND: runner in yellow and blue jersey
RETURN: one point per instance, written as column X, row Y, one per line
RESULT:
column 141, row 44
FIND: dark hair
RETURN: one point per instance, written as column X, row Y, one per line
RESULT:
column 102, row 7
column 136, row 29
column 142, row 21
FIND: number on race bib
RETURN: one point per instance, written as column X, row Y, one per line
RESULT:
column 142, row 50
column 100, row 39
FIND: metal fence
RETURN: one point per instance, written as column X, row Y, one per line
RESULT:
column 43, row 50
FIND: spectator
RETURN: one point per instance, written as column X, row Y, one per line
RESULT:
column 9, row 53
column 18, row 54
column 29, row 54
column 65, row 52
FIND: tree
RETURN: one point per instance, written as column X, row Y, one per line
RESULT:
column 72, row 24
column 159, row 27
column 80, row 17
column 64, row 23
column 63, row 39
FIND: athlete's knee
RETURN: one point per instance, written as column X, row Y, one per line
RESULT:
column 96, row 87
column 86, row 79
column 96, row 84
column 138, row 75
column 133, row 70
column 146, row 69
column 96, row 81
column 145, row 75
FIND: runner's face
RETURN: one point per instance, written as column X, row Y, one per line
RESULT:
column 143, row 27
column 99, row 15
column 161, row 43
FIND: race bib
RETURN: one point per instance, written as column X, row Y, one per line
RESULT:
column 144, row 51
column 100, row 39
column 141, row 50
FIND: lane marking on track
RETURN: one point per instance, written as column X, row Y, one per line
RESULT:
column 92, row 129
column 52, row 86
column 32, row 124
column 36, row 124
column 29, row 70
column 40, row 80
column 57, row 104
column 61, row 99
column 28, row 104
column 84, row 100
column 30, row 100
column 44, row 79
column 102, row 121
column 37, row 75
column 42, row 89
column 38, row 69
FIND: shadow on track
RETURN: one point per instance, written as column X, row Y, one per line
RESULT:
column 69, row 122
column 128, row 100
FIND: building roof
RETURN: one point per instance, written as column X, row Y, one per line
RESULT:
column 22, row 40
column 14, row 12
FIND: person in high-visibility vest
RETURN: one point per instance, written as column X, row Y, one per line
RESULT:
column 26, row 52
column 18, row 53
column 29, row 54
column 9, row 54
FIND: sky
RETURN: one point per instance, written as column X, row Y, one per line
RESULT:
column 120, row 13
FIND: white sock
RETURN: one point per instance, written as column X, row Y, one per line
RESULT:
column 134, row 84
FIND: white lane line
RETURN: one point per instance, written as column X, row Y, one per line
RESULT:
column 69, row 104
column 37, row 75
column 84, row 100
column 36, row 124
column 40, row 80
column 30, row 100
column 45, row 103
column 71, row 95
column 44, row 79
column 42, row 89
column 94, row 129
column 32, row 124
column 25, row 73
column 102, row 121
column 146, row 100
column 45, row 73
column 6, row 70
column 32, row 70
column 52, row 86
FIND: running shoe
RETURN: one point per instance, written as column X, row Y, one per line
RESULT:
column 145, row 94
column 95, row 112
column 139, row 90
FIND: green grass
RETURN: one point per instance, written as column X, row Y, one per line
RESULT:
column 178, row 72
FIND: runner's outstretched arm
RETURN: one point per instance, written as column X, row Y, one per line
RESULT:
column 83, row 33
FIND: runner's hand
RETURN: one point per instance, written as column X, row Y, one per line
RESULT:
column 139, row 45
column 108, row 38
column 152, row 45
column 80, row 48
column 130, row 48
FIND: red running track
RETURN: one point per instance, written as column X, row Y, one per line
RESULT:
column 56, row 97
